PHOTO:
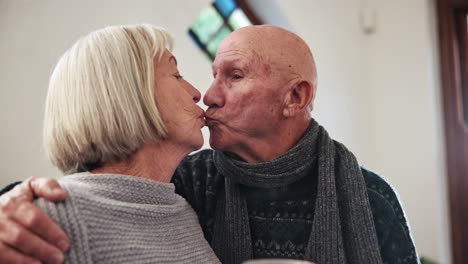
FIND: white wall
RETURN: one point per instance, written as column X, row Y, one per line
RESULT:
column 378, row 93
column 407, row 118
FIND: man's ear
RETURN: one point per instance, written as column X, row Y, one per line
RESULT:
column 298, row 98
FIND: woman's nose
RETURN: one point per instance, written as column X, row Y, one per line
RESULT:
column 196, row 95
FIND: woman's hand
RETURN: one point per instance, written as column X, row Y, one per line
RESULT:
column 28, row 235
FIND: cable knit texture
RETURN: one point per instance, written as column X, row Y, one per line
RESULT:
column 124, row 219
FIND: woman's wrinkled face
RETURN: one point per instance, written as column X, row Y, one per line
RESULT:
column 176, row 100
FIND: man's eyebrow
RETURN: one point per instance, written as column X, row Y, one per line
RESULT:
column 173, row 58
column 231, row 63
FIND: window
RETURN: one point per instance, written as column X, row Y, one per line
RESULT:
column 217, row 21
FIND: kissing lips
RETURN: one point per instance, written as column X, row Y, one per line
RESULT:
column 202, row 118
column 210, row 121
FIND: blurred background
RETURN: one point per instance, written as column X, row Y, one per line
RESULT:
column 378, row 68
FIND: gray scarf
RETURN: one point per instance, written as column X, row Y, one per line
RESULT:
column 343, row 230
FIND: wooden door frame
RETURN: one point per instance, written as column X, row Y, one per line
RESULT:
column 454, row 74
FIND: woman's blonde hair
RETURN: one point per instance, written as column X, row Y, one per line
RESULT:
column 100, row 104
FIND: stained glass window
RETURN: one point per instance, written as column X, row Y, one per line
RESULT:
column 226, row 7
column 216, row 22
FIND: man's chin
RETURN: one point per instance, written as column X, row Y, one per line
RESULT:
column 214, row 145
column 220, row 140
column 216, row 142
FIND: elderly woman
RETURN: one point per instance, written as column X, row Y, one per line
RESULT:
column 119, row 118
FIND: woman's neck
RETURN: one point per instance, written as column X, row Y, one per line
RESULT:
column 157, row 161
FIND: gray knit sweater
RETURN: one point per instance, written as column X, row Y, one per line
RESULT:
column 125, row 219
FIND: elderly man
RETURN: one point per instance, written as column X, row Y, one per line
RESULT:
column 276, row 185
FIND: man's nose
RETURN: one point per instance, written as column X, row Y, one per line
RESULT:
column 214, row 97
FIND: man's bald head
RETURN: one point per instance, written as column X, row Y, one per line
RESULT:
column 262, row 92
column 276, row 49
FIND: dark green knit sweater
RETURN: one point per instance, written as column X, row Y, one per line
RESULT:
column 281, row 218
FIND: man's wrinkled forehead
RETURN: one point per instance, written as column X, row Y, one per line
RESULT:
column 232, row 55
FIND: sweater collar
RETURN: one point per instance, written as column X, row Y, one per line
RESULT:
column 285, row 169
column 127, row 188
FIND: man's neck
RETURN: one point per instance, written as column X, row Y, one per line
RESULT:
column 259, row 150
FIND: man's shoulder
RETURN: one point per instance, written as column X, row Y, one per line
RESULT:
column 197, row 175
column 377, row 183
column 391, row 225
column 196, row 166
column 383, row 197
column 381, row 191
column 198, row 181
column 202, row 155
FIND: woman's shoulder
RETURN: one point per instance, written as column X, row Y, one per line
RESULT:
column 63, row 210
column 67, row 212
column 67, row 215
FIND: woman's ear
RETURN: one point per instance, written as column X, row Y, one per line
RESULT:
column 298, row 98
